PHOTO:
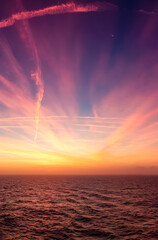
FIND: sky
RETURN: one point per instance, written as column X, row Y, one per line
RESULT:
column 78, row 87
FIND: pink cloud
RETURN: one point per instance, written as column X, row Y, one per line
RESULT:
column 58, row 9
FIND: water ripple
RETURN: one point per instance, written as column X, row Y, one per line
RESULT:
column 50, row 207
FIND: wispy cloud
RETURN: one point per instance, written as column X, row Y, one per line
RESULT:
column 146, row 12
column 58, row 9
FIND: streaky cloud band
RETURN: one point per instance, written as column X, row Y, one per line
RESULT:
column 57, row 9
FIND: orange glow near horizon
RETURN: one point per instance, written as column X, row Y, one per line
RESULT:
column 71, row 105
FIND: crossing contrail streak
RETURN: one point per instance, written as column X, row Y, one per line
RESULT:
column 58, row 9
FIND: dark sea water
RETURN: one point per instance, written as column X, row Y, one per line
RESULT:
column 77, row 207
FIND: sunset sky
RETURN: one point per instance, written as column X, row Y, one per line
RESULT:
column 78, row 87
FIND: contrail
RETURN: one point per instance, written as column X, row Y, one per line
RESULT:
column 36, row 75
column 58, row 9
column 40, row 92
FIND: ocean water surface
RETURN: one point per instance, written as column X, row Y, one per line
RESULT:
column 78, row 207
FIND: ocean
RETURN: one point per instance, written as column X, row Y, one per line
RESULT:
column 78, row 207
